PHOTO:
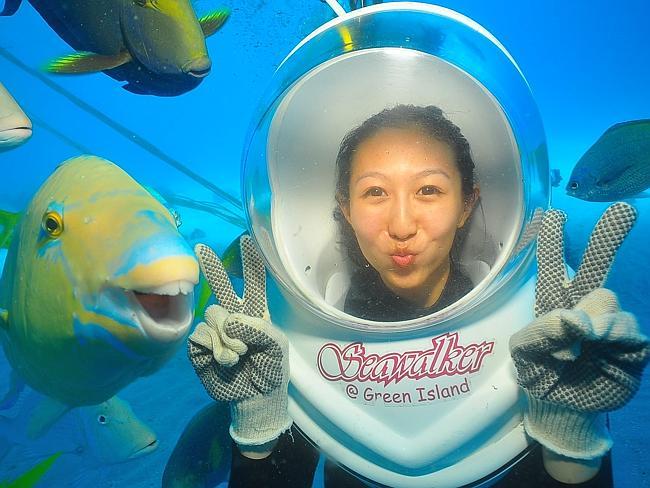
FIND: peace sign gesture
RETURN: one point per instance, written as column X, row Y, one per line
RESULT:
column 554, row 289
column 581, row 356
column 239, row 356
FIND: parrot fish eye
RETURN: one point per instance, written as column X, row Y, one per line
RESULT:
column 102, row 419
column 574, row 185
column 52, row 224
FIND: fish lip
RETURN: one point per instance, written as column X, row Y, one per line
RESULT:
column 199, row 74
column 198, row 68
column 152, row 446
column 175, row 325
column 15, row 135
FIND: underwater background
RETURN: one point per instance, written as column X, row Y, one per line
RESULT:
column 588, row 66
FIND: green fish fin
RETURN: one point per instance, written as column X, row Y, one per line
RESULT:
column 31, row 477
column 4, row 318
column 212, row 22
column 10, row 8
column 232, row 263
column 203, row 297
column 231, row 258
column 8, row 221
column 87, row 62
column 45, row 414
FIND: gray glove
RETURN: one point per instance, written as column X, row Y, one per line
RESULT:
column 581, row 356
column 239, row 356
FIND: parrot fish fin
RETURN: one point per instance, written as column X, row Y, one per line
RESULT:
column 46, row 413
column 87, row 62
column 212, row 22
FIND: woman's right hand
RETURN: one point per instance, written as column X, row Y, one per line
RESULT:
column 238, row 354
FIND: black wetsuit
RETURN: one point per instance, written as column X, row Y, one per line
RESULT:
column 370, row 299
column 293, row 462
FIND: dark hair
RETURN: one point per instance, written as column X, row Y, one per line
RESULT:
column 432, row 122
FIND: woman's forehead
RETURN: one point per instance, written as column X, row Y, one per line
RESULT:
column 408, row 151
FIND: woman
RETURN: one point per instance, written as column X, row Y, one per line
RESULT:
column 405, row 191
column 405, row 188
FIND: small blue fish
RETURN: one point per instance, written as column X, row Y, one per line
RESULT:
column 556, row 177
column 107, row 433
column 617, row 166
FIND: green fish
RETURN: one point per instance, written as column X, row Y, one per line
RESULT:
column 201, row 457
column 97, row 287
column 617, row 166
column 156, row 45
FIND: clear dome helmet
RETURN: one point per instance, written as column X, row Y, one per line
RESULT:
column 428, row 401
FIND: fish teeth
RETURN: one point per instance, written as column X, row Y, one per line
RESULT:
column 172, row 288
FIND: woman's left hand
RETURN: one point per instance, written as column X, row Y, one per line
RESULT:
column 581, row 356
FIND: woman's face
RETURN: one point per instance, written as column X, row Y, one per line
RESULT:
column 405, row 207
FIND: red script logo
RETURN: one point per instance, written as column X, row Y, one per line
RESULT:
column 445, row 358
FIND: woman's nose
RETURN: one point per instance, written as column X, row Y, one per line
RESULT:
column 402, row 223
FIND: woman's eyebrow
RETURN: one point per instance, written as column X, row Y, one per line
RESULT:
column 370, row 174
column 433, row 171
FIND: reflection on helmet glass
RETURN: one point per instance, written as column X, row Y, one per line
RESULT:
column 405, row 188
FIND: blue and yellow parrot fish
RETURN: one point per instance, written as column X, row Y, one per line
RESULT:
column 97, row 288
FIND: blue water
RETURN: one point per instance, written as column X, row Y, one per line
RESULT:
column 588, row 66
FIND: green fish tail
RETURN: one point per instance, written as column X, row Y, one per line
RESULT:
column 31, row 477
column 8, row 221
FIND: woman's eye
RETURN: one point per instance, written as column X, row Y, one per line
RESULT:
column 375, row 191
column 429, row 190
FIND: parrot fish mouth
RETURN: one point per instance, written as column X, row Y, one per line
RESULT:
column 152, row 446
column 15, row 135
column 164, row 312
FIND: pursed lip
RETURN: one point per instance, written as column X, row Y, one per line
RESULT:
column 403, row 258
